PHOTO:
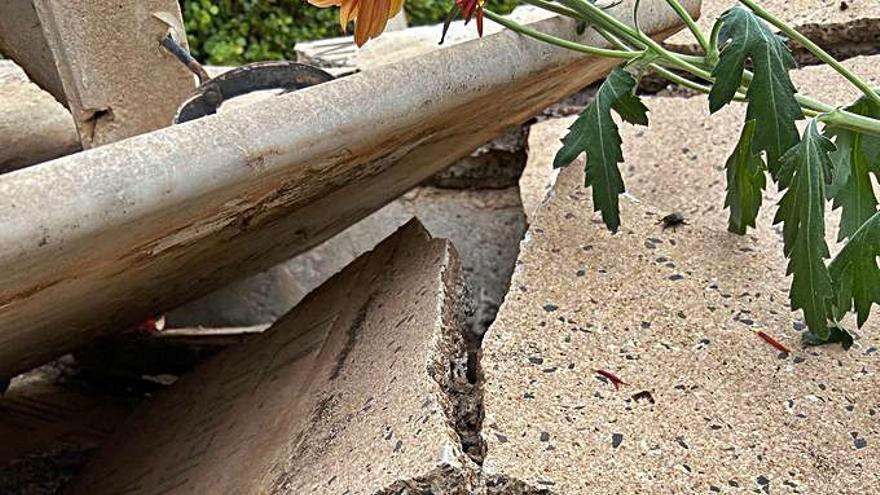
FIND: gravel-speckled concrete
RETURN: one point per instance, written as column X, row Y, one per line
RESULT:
column 708, row 406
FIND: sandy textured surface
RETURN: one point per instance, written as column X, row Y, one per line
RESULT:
column 708, row 405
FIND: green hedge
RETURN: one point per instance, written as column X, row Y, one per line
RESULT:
column 231, row 32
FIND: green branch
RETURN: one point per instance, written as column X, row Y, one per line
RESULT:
column 563, row 43
column 691, row 25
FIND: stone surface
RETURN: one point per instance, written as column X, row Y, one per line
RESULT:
column 146, row 224
column 352, row 392
column 539, row 175
column 133, row 88
column 497, row 164
column 22, row 39
column 708, row 406
column 485, row 226
column 829, row 22
column 33, row 126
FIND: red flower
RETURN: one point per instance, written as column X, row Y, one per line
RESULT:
column 467, row 11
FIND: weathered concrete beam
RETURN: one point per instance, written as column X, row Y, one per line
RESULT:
column 94, row 242
column 355, row 391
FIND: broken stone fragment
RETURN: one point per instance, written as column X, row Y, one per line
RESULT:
column 355, row 391
column 497, row 164
column 35, row 127
column 707, row 405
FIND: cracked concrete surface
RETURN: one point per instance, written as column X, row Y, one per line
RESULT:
column 348, row 393
column 707, row 405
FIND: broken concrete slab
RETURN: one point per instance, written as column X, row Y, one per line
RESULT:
column 352, row 392
column 44, row 411
column 22, row 39
column 844, row 27
column 148, row 223
column 674, row 315
column 133, row 88
column 706, row 404
column 33, row 126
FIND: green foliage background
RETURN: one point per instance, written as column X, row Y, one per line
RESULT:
column 231, row 32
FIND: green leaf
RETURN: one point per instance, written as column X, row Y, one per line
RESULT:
column 856, row 158
column 595, row 133
column 854, row 271
column 745, row 182
column 805, row 169
column 771, row 94
column 836, row 333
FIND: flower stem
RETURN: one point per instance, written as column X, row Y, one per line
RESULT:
column 553, row 40
column 814, row 49
column 554, row 7
column 848, row 120
column 691, row 24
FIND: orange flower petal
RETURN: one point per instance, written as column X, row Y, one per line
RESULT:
column 371, row 20
column 325, row 3
column 348, row 12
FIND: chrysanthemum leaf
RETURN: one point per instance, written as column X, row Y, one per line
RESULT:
column 804, row 171
column 595, row 133
column 745, row 182
column 856, row 158
column 771, row 94
column 854, row 271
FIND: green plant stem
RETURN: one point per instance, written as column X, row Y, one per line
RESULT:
column 697, row 66
column 553, row 40
column 554, row 7
column 848, row 120
column 814, row 49
column 691, row 25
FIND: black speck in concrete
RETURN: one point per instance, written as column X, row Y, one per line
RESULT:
column 762, row 480
column 501, row 438
column 545, row 437
column 536, row 360
column 616, row 439
column 860, row 443
column 550, row 308
column 681, row 442
column 646, row 324
column 643, row 395
column 676, row 276
column 581, row 273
